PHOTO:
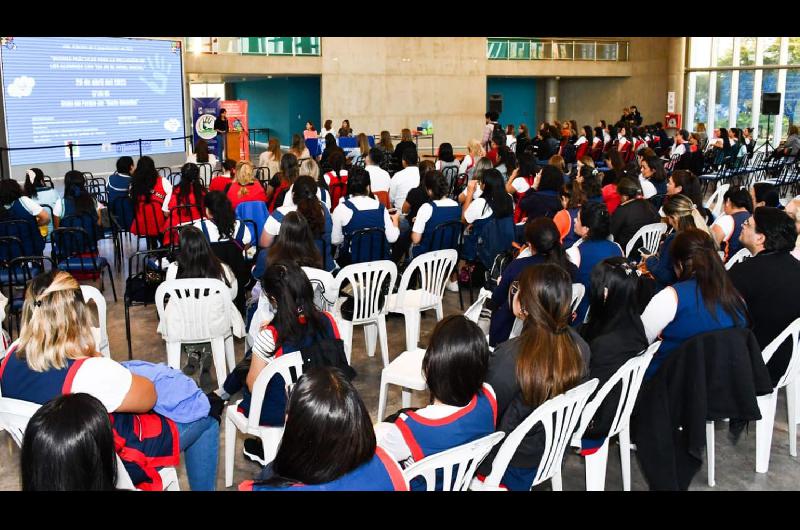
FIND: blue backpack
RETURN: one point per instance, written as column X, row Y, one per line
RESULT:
column 495, row 237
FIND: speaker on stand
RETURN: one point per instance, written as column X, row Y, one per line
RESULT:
column 770, row 106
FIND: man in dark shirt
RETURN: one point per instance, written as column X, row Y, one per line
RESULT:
column 769, row 282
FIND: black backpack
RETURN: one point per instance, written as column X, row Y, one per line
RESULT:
column 500, row 263
column 327, row 352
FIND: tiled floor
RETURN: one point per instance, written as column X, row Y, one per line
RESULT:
column 734, row 464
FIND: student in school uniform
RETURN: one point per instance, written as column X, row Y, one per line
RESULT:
column 357, row 211
column 440, row 209
column 245, row 187
column 328, row 443
column 379, row 179
column 119, row 182
column 738, row 208
column 462, row 407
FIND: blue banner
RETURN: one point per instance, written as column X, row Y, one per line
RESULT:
column 204, row 112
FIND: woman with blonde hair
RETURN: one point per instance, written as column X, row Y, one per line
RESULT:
column 56, row 354
column 298, row 147
column 546, row 360
column 406, row 142
column 474, row 152
column 385, row 144
column 245, row 188
column 362, row 151
column 681, row 214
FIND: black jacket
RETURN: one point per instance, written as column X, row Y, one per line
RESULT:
column 628, row 218
column 769, row 282
column 711, row 376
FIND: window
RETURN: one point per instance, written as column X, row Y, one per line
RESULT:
column 747, row 51
column 584, row 51
column 306, row 45
column 744, row 105
column 699, row 82
column 700, row 52
column 563, row 50
column 791, row 99
column 723, row 99
column 519, row 50
column 725, row 51
column 606, row 51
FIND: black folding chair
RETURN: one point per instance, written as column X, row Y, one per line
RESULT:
column 164, row 172
column 146, row 270
column 74, row 250
column 14, row 277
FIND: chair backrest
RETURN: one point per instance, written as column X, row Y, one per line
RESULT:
column 324, row 285
column 629, row 376
column 14, row 417
column 473, row 312
column 650, row 236
column 367, row 244
column 74, row 242
column 258, row 212
column 793, row 369
column 578, row 290
column 450, row 173
column 123, row 212
column 262, row 174
column 434, row 270
column 164, row 171
column 192, row 299
column 289, row 366
column 449, row 234
column 741, row 255
column 93, row 294
column 368, row 280
column 559, row 417
column 205, row 173
column 716, row 202
column 27, row 231
column 464, row 460
column 10, row 248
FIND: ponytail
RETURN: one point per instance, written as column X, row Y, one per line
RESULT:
column 28, row 188
column 304, row 195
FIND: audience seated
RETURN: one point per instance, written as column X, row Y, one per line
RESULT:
column 335, row 180
column 149, row 191
column 36, row 189
column 406, row 142
column 765, row 194
column 379, row 179
column 542, row 199
column 245, row 187
column 474, row 153
column 271, row 158
column 201, row 155
column 119, row 182
column 17, row 206
column 189, row 192
column 738, row 207
column 490, row 217
column 298, row 147
column 328, row 443
column 281, row 182
column 405, row 180
column 438, row 210
column 769, row 282
column 653, row 179
column 633, row 213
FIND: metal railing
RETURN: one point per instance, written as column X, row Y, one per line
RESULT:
column 280, row 46
column 510, row 48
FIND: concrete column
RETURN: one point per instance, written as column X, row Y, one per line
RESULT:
column 676, row 63
column 551, row 100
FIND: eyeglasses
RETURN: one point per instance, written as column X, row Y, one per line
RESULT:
column 513, row 289
column 748, row 223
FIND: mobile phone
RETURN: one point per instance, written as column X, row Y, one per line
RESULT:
column 392, row 211
column 643, row 250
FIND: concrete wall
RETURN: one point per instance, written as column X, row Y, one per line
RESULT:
column 590, row 100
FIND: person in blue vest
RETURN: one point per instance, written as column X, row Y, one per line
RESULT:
column 37, row 189
column 440, row 209
column 220, row 223
column 295, row 325
column 56, row 354
column 328, row 443
column 494, row 208
column 305, row 200
column 738, row 208
column 119, row 182
column 545, row 245
column 572, row 198
column 704, row 298
column 359, row 210
column 462, row 407
column 69, row 446
column 542, row 198
column 593, row 225
column 78, row 202
column 16, row 207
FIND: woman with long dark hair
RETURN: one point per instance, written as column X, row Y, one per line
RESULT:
column 195, row 259
column 330, row 147
column 220, row 222
column 149, row 192
column 77, row 200
column 69, row 446
column 297, row 243
column 546, row 360
column 335, row 180
column 652, row 172
column 544, row 242
column 542, row 199
column 328, row 443
column 494, row 203
column 704, row 298
column 189, row 192
column 438, row 210
column 446, row 158
column 298, row 147
column 201, row 155
column 737, row 208
column 282, row 181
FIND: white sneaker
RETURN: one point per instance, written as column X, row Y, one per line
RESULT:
column 452, row 286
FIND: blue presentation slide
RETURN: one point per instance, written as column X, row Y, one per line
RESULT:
column 91, row 90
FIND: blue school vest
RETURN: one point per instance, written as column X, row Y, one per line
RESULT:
column 144, row 442
column 361, row 219
column 592, row 252
column 237, row 237
column 692, row 318
column 439, row 215
column 324, row 249
column 273, row 410
column 31, row 238
column 732, row 245
column 571, row 237
column 379, row 474
column 118, row 186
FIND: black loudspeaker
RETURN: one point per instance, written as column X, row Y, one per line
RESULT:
column 770, row 103
column 496, row 103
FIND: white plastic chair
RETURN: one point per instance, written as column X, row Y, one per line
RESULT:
column 405, row 371
column 193, row 300
column 467, row 457
column 650, row 236
column 558, row 416
column 324, row 285
column 629, row 379
column 92, row 293
column 14, row 417
column 290, row 367
column 767, row 403
column 434, row 273
column 367, row 280
column 740, row 256
column 716, row 202
column 578, row 290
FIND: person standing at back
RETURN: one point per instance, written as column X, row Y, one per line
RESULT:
column 119, row 182
column 769, row 282
column 488, row 129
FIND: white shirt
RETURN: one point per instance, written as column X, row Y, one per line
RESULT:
column 265, row 158
column 426, row 210
column 342, row 215
column 726, row 224
column 272, row 226
column 288, row 200
column 212, row 159
column 58, row 209
column 520, row 185
column 401, row 183
column 379, row 179
column 648, row 189
column 391, row 440
column 478, row 209
column 213, row 231
column 622, row 142
column 659, row 312
column 441, row 164
column 104, row 379
column 606, row 136
column 678, row 149
column 465, row 164
column 31, row 206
